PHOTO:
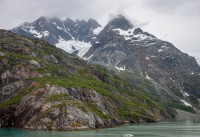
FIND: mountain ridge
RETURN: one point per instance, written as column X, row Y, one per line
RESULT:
column 136, row 55
column 59, row 32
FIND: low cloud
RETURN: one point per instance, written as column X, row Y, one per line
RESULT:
column 179, row 19
column 184, row 7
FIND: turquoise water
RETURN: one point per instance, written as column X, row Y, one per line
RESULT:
column 169, row 128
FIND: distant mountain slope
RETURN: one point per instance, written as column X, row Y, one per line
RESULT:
column 73, row 34
column 122, row 47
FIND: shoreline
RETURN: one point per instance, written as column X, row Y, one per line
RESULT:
column 79, row 130
column 180, row 114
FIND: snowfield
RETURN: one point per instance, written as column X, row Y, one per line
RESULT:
column 71, row 46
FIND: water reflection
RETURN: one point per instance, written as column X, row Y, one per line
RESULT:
column 191, row 119
column 180, row 127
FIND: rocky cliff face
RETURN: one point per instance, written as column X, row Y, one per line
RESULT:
column 42, row 87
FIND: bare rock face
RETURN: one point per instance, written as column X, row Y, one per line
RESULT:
column 2, row 54
column 35, row 64
column 8, row 91
column 51, row 58
column 55, row 90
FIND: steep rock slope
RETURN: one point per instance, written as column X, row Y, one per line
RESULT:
column 122, row 47
column 43, row 87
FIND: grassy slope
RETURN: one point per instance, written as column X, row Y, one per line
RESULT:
column 71, row 72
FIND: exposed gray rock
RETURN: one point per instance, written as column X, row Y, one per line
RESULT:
column 2, row 54
column 10, row 90
column 35, row 64
column 55, row 90
column 89, row 95
column 75, row 114
column 51, row 58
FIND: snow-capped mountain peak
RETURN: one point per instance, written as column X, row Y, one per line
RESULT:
column 74, row 36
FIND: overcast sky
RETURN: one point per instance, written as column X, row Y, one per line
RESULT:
column 176, row 21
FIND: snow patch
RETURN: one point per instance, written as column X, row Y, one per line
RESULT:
column 74, row 45
column 185, row 94
column 153, row 56
column 126, row 33
column 147, row 58
column 172, row 79
column 186, row 103
column 59, row 28
column 122, row 68
column 160, row 50
column 69, row 33
column 35, row 33
column 45, row 33
column 165, row 47
column 148, row 44
column 147, row 77
column 97, row 30
column 141, row 36
column 88, row 58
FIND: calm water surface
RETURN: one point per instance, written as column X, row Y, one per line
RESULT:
column 169, row 128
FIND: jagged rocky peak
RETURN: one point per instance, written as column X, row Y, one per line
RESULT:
column 74, row 36
column 120, row 22
column 138, row 31
column 53, row 29
column 41, row 21
column 121, row 28
column 94, row 23
column 69, row 20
